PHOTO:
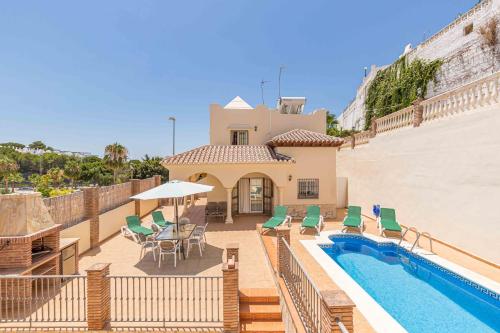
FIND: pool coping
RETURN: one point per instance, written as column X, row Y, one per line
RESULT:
column 379, row 318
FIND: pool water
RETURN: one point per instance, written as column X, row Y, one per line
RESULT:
column 420, row 295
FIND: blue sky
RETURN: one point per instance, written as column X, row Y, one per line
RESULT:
column 82, row 75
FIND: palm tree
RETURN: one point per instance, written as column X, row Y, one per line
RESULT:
column 7, row 168
column 115, row 156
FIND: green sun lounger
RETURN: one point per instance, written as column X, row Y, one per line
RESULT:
column 353, row 218
column 159, row 219
column 134, row 225
column 387, row 221
column 313, row 219
column 278, row 218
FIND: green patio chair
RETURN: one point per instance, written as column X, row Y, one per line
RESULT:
column 387, row 221
column 353, row 219
column 159, row 219
column 134, row 227
column 278, row 218
column 313, row 219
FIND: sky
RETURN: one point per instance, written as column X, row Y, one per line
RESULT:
column 81, row 75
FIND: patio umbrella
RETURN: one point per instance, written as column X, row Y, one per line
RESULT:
column 173, row 189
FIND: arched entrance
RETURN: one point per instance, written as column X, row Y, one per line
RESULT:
column 253, row 193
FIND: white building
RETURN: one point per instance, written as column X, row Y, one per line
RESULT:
column 353, row 116
column 460, row 45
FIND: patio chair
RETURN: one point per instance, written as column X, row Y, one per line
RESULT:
column 313, row 219
column 159, row 219
column 197, row 238
column 169, row 248
column 134, row 227
column 279, row 217
column 387, row 221
column 147, row 243
column 353, row 219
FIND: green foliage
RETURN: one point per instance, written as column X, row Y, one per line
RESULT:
column 42, row 184
column 55, row 192
column 8, row 167
column 397, row 86
column 148, row 167
column 333, row 129
column 115, row 156
column 13, row 145
column 37, row 145
column 72, row 170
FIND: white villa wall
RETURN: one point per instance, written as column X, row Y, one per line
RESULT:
column 262, row 123
column 443, row 177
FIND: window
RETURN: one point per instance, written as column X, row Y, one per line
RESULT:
column 308, row 188
column 239, row 137
column 468, row 29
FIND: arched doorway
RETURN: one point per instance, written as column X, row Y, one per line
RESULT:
column 253, row 194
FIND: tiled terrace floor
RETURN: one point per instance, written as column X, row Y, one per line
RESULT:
column 123, row 253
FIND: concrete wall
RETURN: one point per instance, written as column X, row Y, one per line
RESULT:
column 262, row 123
column 82, row 231
column 147, row 206
column 111, row 221
column 442, row 177
column 311, row 162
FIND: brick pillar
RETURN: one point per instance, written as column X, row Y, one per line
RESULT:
column 373, row 128
column 98, row 297
column 230, row 297
column 418, row 112
column 282, row 254
column 136, row 189
column 91, row 206
column 232, row 249
column 157, row 179
column 336, row 306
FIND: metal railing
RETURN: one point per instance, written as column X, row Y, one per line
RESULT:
column 26, row 301
column 166, row 299
column 305, row 295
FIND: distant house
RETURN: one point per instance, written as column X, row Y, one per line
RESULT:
column 260, row 157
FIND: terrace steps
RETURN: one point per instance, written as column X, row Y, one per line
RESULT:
column 260, row 311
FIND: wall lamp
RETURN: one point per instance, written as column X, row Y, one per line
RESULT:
column 289, row 178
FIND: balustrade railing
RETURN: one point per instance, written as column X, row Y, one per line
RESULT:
column 398, row 119
column 166, row 299
column 362, row 137
column 30, row 301
column 481, row 93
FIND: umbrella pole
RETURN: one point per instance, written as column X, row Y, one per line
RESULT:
column 176, row 213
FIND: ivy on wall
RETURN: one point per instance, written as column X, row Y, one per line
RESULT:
column 397, row 86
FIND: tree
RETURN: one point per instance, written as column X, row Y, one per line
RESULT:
column 13, row 145
column 37, row 145
column 331, row 124
column 115, row 156
column 15, row 178
column 72, row 170
column 7, row 167
column 148, row 167
column 56, row 175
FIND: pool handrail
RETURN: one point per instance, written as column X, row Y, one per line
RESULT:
column 428, row 235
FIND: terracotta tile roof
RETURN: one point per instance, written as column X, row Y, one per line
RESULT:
column 214, row 154
column 304, row 138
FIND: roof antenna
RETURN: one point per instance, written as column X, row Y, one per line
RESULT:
column 262, row 83
column 282, row 67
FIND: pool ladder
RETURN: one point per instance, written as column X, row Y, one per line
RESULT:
column 418, row 234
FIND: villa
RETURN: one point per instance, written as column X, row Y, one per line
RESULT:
column 259, row 158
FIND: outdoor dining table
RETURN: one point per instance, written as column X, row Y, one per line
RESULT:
column 171, row 233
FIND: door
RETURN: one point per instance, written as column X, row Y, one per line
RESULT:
column 256, row 195
column 244, row 195
column 268, row 196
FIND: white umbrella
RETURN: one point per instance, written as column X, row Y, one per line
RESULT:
column 173, row 189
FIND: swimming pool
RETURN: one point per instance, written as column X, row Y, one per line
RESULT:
column 419, row 294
